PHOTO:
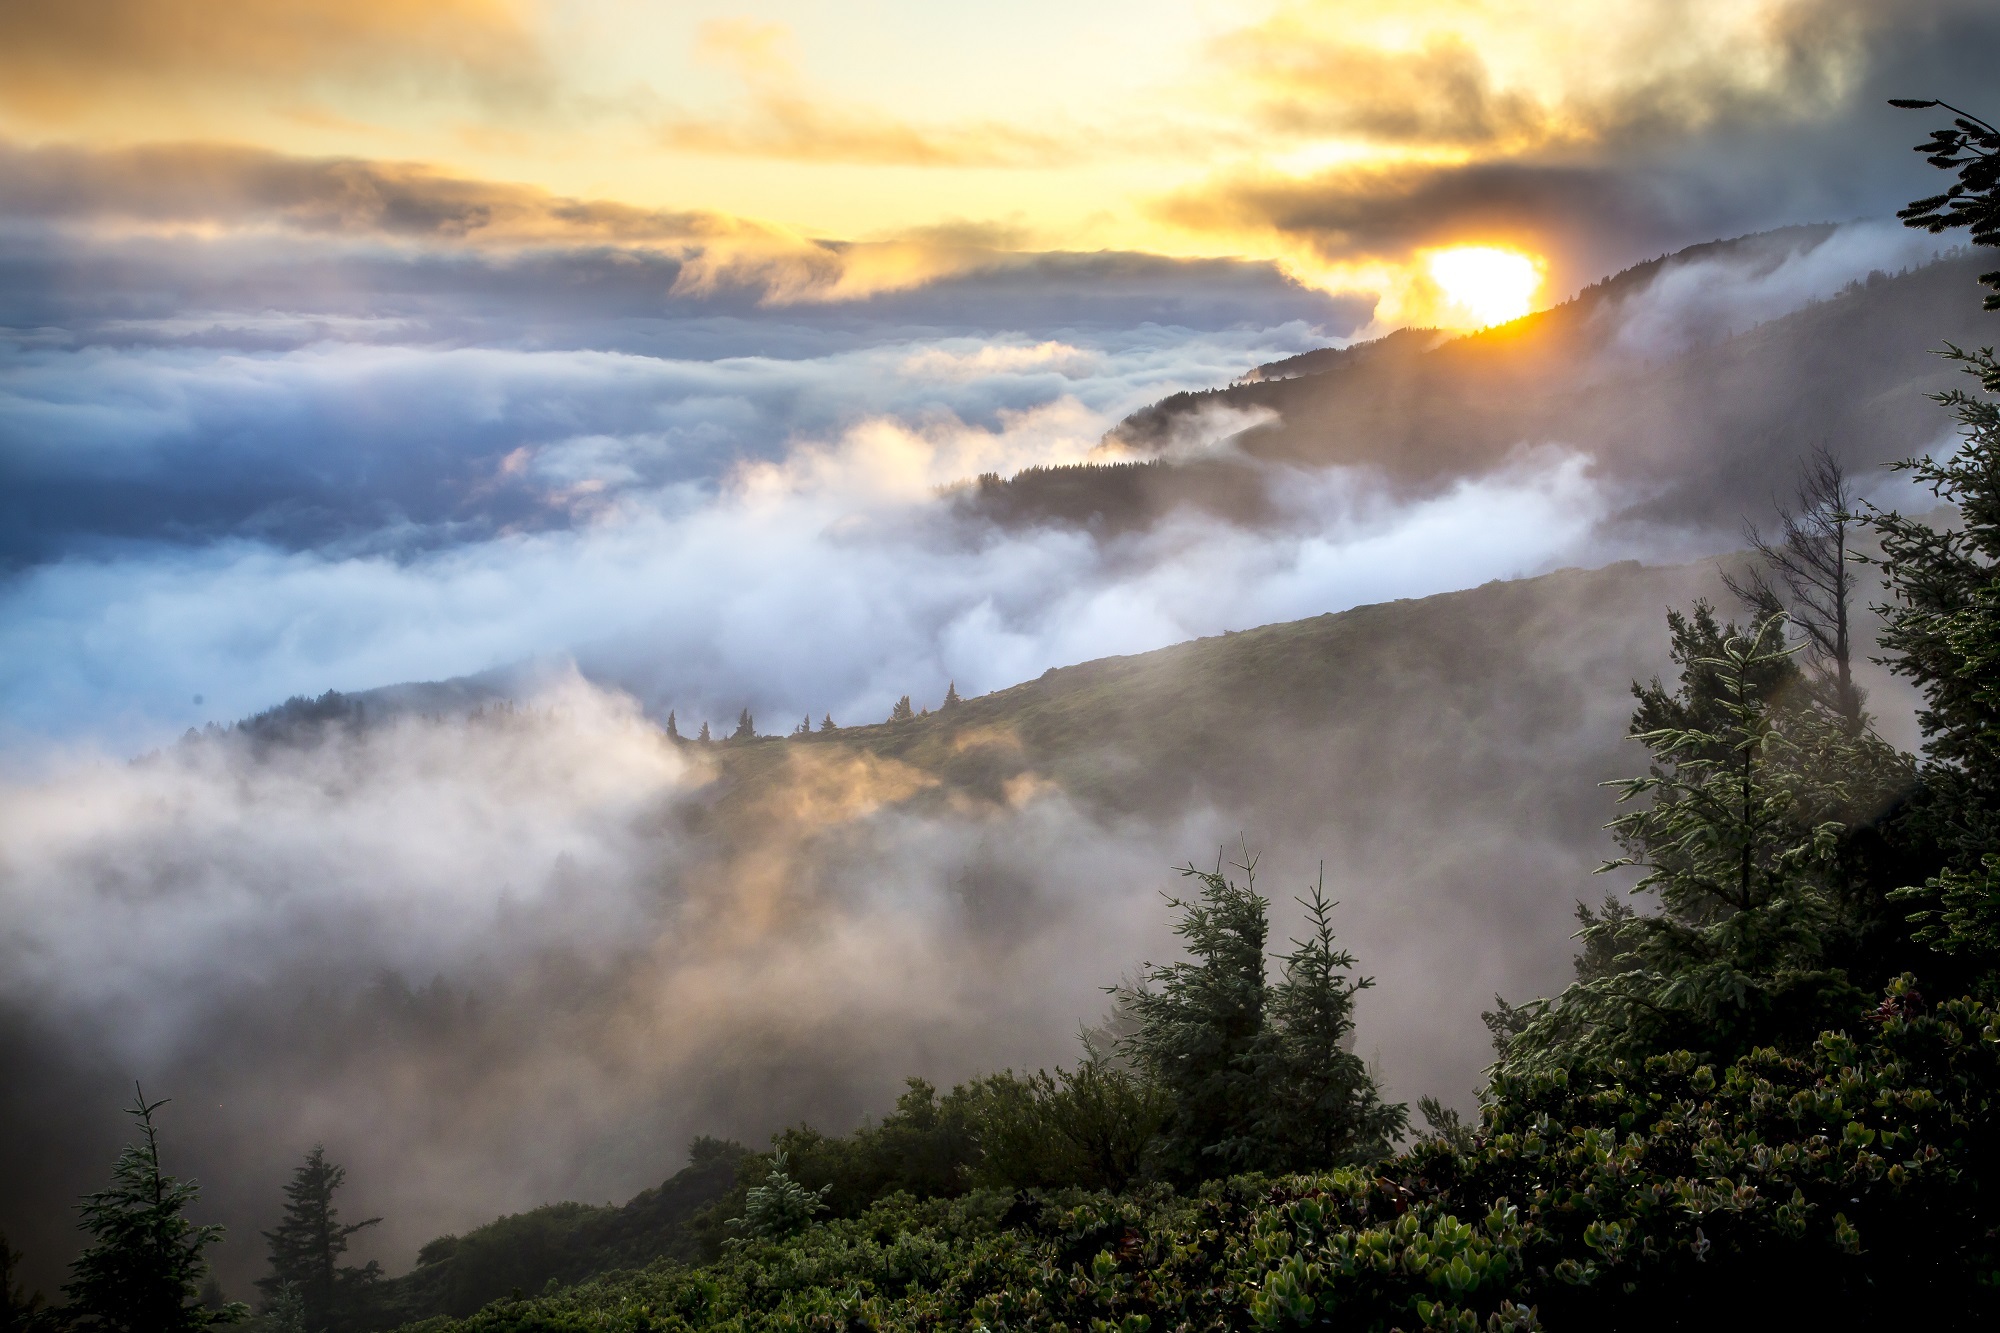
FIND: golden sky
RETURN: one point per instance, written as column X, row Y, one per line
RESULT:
column 1345, row 139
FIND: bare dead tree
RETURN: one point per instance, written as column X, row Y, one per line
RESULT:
column 1806, row 569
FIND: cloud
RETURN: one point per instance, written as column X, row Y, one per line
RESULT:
column 59, row 62
column 1588, row 136
column 786, row 119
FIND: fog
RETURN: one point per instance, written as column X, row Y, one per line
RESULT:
column 497, row 959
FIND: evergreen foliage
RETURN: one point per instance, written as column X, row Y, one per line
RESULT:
column 746, row 727
column 780, row 1207
column 704, row 738
column 902, row 712
column 1197, row 1026
column 1752, row 786
column 142, row 1271
column 951, row 699
column 826, row 724
column 306, row 1246
column 1942, row 625
column 1318, row 1104
column 1971, row 148
column 286, row 1312
column 673, row 726
column 1942, row 630
column 1838, row 1186
column 1254, row 1076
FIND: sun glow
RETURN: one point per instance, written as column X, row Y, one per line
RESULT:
column 1485, row 283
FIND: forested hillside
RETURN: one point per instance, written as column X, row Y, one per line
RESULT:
column 1694, row 417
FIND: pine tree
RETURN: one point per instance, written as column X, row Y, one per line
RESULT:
column 746, row 727
column 1738, row 842
column 902, row 712
column 673, row 726
column 1942, row 624
column 1942, row 630
column 142, row 1271
column 305, row 1247
column 286, row 1313
column 826, row 724
column 1971, row 148
column 704, row 738
column 1317, row 1103
column 951, row 699
column 780, row 1206
column 1196, row 1026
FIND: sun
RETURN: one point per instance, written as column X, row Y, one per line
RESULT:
column 1489, row 284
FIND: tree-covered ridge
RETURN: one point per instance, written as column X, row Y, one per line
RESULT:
column 1835, row 1186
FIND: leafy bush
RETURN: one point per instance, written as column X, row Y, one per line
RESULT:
column 1834, row 1186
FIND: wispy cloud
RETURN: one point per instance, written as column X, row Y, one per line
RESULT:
column 786, row 118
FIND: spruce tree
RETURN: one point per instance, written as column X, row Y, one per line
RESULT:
column 673, row 726
column 1737, row 838
column 826, row 724
column 704, row 738
column 1971, row 148
column 1942, row 623
column 902, row 712
column 1317, row 1103
column 1196, row 1026
column 951, row 699
column 781, row 1206
column 143, row 1269
column 306, row 1245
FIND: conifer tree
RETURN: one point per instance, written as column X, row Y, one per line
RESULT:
column 673, row 726
column 143, row 1269
column 1942, row 623
column 1970, row 148
column 1737, row 839
column 306, row 1245
column 805, row 726
column 951, row 699
column 902, row 712
column 1196, row 1026
column 746, row 727
column 781, row 1206
column 286, row 1313
column 826, row 724
column 704, row 738
column 1317, row 1103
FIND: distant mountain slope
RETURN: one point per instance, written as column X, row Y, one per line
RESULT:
column 1692, row 433
column 1442, row 754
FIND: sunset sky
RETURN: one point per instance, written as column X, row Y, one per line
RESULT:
column 346, row 342
column 1340, row 138
column 604, row 362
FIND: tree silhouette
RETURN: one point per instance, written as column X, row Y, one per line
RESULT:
column 142, row 1271
column 305, row 1247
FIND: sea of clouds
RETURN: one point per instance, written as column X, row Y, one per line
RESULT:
column 515, row 959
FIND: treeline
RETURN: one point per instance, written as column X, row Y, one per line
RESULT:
column 746, row 722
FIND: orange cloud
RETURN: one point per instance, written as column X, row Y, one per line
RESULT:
column 783, row 118
column 60, row 59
